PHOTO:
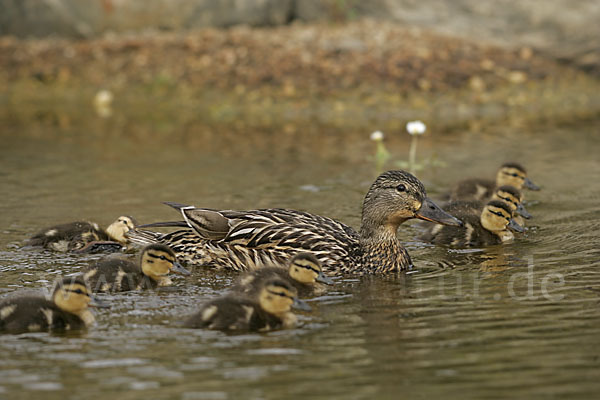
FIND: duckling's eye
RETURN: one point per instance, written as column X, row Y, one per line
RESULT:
column 516, row 175
column 508, row 199
column 500, row 215
column 163, row 258
column 401, row 187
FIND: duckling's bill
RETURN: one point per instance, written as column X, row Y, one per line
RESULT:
column 515, row 227
column 96, row 302
column 430, row 211
column 301, row 305
column 324, row 279
column 522, row 211
column 530, row 185
column 178, row 269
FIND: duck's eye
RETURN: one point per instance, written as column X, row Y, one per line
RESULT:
column 516, row 175
column 163, row 258
column 401, row 187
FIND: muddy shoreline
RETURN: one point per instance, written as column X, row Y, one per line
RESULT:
column 352, row 74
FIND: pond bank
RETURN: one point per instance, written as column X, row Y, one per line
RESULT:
column 362, row 73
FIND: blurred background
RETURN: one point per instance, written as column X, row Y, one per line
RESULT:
column 108, row 107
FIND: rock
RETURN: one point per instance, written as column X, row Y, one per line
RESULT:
column 564, row 29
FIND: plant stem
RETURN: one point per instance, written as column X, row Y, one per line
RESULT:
column 412, row 154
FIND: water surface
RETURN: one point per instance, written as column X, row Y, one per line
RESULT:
column 520, row 320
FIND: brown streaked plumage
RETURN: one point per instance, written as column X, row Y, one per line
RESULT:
column 242, row 240
column 66, row 311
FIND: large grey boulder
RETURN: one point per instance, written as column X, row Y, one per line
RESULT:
column 564, row 29
column 88, row 18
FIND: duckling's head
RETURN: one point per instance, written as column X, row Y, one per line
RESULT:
column 278, row 297
column 497, row 217
column 73, row 295
column 158, row 260
column 513, row 174
column 305, row 268
column 394, row 197
column 511, row 196
column 120, row 227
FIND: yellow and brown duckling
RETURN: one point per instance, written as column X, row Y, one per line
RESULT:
column 242, row 240
column 512, row 196
column 509, row 174
column 66, row 311
column 303, row 272
column 509, row 195
column 118, row 275
column 268, row 309
column 492, row 225
column 77, row 236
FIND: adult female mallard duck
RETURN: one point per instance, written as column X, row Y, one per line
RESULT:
column 492, row 225
column 118, row 275
column 68, row 309
column 303, row 272
column 76, row 236
column 268, row 309
column 243, row 240
column 509, row 174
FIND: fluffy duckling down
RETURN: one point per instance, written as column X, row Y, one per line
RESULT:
column 492, row 225
column 118, row 275
column 267, row 310
column 303, row 272
column 75, row 236
column 477, row 189
column 66, row 311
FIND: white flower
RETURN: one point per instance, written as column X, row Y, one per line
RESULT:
column 377, row 135
column 416, row 127
column 103, row 98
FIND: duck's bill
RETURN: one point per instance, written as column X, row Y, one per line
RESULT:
column 178, row 269
column 300, row 305
column 530, row 185
column 96, row 302
column 430, row 211
column 324, row 279
column 513, row 226
column 523, row 212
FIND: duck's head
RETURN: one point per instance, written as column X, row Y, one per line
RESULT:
column 513, row 174
column 278, row 297
column 511, row 196
column 305, row 268
column 158, row 260
column 497, row 217
column 73, row 295
column 120, row 227
column 396, row 196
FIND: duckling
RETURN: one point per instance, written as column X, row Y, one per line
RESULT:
column 119, row 275
column 268, row 309
column 492, row 225
column 243, row 240
column 75, row 236
column 510, row 174
column 303, row 272
column 67, row 311
column 512, row 196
